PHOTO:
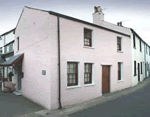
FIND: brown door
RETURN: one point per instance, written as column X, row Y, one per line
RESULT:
column 105, row 79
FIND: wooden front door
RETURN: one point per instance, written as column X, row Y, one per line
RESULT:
column 105, row 79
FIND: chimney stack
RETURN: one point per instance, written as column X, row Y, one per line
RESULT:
column 119, row 23
column 98, row 15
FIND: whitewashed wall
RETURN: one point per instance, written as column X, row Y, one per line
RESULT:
column 137, row 56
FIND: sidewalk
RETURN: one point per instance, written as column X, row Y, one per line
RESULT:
column 78, row 107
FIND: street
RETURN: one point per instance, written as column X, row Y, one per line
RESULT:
column 135, row 104
column 12, row 105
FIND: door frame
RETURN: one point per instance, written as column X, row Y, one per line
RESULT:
column 138, row 72
column 108, row 79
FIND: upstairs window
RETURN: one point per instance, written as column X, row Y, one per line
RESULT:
column 146, row 49
column 118, row 43
column 11, row 47
column 140, row 46
column 72, row 73
column 87, row 73
column 17, row 43
column 1, row 50
column 87, row 37
column 134, row 45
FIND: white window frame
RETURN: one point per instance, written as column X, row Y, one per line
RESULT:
column 122, row 72
column 78, row 85
column 93, row 75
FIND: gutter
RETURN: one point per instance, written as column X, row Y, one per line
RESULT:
column 59, row 76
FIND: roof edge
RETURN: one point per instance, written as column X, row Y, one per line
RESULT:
column 138, row 36
column 8, row 32
column 85, row 22
column 75, row 19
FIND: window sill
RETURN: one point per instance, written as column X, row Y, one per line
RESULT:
column 72, row 87
column 87, row 85
column 119, row 51
column 88, row 47
column 120, row 81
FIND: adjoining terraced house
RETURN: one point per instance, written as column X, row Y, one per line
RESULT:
column 6, row 52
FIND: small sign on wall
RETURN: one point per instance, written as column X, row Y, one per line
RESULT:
column 43, row 72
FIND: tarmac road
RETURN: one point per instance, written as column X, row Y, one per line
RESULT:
column 136, row 104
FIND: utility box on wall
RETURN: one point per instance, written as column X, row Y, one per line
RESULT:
column 43, row 72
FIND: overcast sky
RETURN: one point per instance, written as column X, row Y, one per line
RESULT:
column 134, row 13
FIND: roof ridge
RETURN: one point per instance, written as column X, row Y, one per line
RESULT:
column 36, row 9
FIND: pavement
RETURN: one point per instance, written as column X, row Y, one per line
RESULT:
column 12, row 105
column 67, row 111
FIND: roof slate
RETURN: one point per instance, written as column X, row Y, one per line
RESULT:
column 12, row 60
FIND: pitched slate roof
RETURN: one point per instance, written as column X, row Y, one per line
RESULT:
column 12, row 60
column 81, row 21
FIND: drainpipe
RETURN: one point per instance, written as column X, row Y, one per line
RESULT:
column 59, row 76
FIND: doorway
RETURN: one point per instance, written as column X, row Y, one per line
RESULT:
column 19, row 68
column 139, row 72
column 105, row 79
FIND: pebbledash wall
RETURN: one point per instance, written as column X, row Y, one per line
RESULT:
column 37, row 31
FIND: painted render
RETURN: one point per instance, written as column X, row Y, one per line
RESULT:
column 139, row 57
column 147, row 61
column 37, row 31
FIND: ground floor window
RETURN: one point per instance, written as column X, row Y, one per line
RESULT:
column 72, row 73
column 134, row 68
column 87, row 73
column 120, row 70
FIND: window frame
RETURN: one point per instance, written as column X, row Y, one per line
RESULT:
column 90, row 39
column 140, row 46
column 146, row 49
column 1, row 50
column 90, row 73
column 120, row 71
column 135, row 68
column 134, row 41
column 119, row 42
column 17, row 43
column 141, row 68
column 76, row 74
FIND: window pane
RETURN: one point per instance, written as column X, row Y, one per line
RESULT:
column 71, row 65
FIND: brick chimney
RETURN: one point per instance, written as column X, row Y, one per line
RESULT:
column 98, row 15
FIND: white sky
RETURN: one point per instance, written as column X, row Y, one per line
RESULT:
column 135, row 14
